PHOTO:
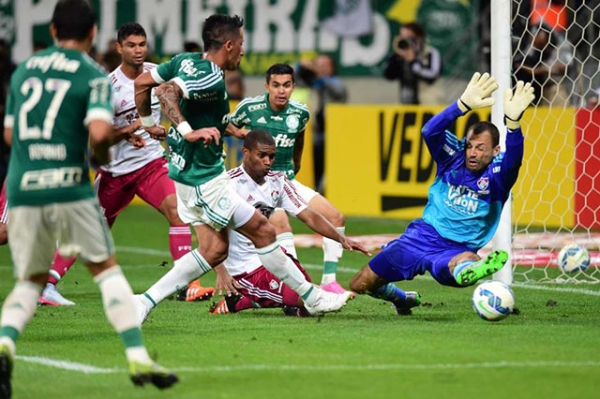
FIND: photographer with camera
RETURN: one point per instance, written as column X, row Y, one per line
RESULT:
column 412, row 60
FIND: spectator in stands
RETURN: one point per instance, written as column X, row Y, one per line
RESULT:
column 320, row 75
column 412, row 61
column 234, row 83
column 543, row 61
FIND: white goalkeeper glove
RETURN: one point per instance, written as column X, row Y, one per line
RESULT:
column 515, row 104
column 478, row 93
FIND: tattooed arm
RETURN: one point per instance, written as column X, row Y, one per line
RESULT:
column 169, row 95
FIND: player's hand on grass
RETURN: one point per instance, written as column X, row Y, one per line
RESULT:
column 515, row 103
column 478, row 93
column 207, row 135
column 351, row 245
column 225, row 285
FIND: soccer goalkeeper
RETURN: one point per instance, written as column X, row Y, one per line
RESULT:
column 473, row 181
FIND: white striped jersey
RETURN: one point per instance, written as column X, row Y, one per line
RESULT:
column 276, row 192
column 124, row 157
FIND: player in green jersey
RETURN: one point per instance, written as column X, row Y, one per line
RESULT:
column 193, row 96
column 286, row 120
column 59, row 99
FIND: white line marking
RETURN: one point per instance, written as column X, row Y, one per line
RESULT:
column 89, row 369
column 137, row 250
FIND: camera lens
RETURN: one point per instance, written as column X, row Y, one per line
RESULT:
column 403, row 44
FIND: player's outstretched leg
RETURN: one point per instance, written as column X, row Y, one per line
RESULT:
column 6, row 365
column 402, row 301
column 469, row 272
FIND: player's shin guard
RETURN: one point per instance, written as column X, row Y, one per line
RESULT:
column 117, row 298
column 191, row 266
column 60, row 267
column 18, row 309
column 275, row 261
column 332, row 252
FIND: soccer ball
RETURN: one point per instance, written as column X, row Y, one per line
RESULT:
column 573, row 258
column 493, row 300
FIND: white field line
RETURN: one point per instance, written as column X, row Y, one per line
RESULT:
column 581, row 291
column 89, row 369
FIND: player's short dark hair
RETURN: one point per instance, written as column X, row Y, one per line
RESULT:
column 73, row 19
column 484, row 126
column 280, row 69
column 256, row 137
column 219, row 28
column 128, row 29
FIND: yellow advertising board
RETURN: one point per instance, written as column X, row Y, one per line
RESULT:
column 378, row 165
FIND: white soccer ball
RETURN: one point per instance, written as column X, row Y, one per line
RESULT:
column 493, row 300
column 573, row 258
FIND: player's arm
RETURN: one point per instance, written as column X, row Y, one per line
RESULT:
column 143, row 86
column 99, row 118
column 101, row 138
column 298, row 149
column 236, row 132
column 169, row 94
column 9, row 119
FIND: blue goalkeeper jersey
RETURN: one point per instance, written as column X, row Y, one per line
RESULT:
column 465, row 206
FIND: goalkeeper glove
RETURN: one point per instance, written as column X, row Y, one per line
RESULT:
column 478, row 93
column 515, row 104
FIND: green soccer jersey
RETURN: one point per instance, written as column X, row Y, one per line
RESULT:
column 204, row 104
column 284, row 126
column 53, row 96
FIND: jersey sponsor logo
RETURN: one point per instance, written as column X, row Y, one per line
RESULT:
column 462, row 199
column 55, row 61
column 261, row 120
column 51, row 178
column 496, row 169
column 282, row 140
column 276, row 118
column 177, row 161
column 257, row 107
column 187, row 67
column 292, row 122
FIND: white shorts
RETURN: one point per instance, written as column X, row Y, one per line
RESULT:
column 78, row 226
column 305, row 192
column 215, row 203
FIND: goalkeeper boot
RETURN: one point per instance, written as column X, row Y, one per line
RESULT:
column 475, row 271
column 225, row 305
column 6, row 366
column 143, row 373
column 325, row 302
column 413, row 299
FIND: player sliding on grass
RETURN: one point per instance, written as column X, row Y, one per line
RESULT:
column 193, row 96
column 59, row 99
column 472, row 183
column 266, row 190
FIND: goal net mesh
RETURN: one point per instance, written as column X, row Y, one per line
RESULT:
column 556, row 45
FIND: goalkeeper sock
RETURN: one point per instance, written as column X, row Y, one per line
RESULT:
column 390, row 293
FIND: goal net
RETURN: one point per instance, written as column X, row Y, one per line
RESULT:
column 556, row 45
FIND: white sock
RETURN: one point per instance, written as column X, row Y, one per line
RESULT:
column 19, row 307
column 275, row 261
column 117, row 298
column 286, row 240
column 186, row 269
column 332, row 252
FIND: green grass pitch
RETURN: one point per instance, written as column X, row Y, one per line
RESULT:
column 551, row 349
